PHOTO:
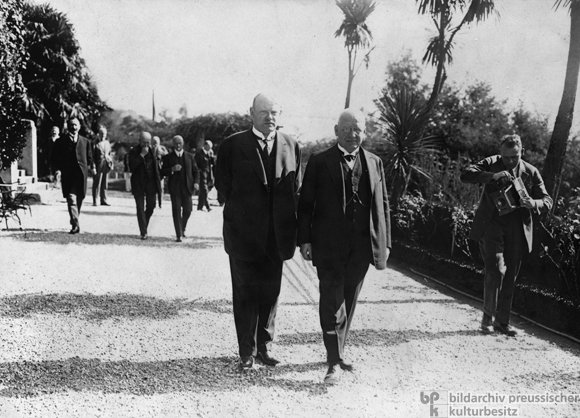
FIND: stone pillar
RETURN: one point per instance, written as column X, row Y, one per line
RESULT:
column 28, row 163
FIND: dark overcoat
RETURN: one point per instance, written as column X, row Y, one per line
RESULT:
column 241, row 179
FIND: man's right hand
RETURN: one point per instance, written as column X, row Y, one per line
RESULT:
column 502, row 175
column 306, row 251
column 176, row 167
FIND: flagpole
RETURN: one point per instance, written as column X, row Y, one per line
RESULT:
column 153, row 106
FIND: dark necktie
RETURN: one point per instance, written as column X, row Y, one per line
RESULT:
column 349, row 157
column 266, row 149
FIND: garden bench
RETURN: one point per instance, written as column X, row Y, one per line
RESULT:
column 11, row 201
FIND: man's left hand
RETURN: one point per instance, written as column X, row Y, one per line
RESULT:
column 388, row 253
column 528, row 202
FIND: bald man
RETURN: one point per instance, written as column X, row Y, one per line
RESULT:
column 258, row 173
column 343, row 227
column 179, row 166
column 145, row 180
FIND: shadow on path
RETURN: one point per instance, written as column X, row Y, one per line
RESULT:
column 375, row 337
column 62, row 237
column 221, row 374
column 102, row 307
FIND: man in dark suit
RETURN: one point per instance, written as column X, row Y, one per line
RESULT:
column 258, row 173
column 343, row 227
column 205, row 161
column 504, row 237
column 145, row 180
column 72, row 156
column 183, row 174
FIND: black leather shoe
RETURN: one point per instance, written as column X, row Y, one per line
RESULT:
column 346, row 366
column 265, row 358
column 333, row 374
column 105, row 204
column 246, row 363
column 75, row 230
column 144, row 237
column 504, row 329
column 486, row 327
column 178, row 239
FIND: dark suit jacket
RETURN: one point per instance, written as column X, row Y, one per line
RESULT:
column 241, row 179
column 321, row 210
column 189, row 167
column 70, row 168
column 483, row 171
column 205, row 165
column 139, row 173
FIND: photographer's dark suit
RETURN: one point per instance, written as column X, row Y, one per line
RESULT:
column 503, row 240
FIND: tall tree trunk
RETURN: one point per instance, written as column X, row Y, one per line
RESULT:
column 552, row 172
column 440, row 75
column 350, row 78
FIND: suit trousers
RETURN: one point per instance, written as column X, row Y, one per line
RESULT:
column 145, row 206
column 340, row 284
column 74, row 203
column 202, row 198
column 180, row 201
column 502, row 247
column 256, row 287
column 100, row 183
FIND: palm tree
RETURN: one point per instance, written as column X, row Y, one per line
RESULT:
column 552, row 172
column 439, row 50
column 58, row 83
column 402, row 122
column 357, row 35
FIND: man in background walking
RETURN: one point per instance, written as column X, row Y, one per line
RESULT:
column 103, row 165
column 179, row 165
column 73, row 157
column 145, row 181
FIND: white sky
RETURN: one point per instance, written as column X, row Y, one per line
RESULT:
column 215, row 55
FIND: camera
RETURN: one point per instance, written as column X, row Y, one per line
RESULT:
column 508, row 198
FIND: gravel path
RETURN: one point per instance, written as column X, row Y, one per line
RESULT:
column 105, row 325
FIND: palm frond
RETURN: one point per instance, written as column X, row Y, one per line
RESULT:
column 479, row 10
column 353, row 28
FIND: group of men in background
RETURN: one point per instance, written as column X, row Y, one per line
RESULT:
column 337, row 214
column 73, row 157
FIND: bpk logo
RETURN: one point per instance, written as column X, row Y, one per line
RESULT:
column 437, row 401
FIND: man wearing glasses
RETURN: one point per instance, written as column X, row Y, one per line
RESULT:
column 343, row 227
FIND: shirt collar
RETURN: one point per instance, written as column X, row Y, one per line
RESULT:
column 355, row 152
column 260, row 135
column 179, row 153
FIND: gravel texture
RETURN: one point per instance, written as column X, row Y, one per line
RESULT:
column 103, row 324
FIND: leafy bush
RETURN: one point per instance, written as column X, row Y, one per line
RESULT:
column 563, row 249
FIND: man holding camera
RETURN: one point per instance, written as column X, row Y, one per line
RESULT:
column 503, row 225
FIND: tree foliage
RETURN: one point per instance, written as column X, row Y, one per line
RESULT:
column 57, row 82
column 555, row 158
column 357, row 35
column 12, row 61
column 439, row 51
column 214, row 127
